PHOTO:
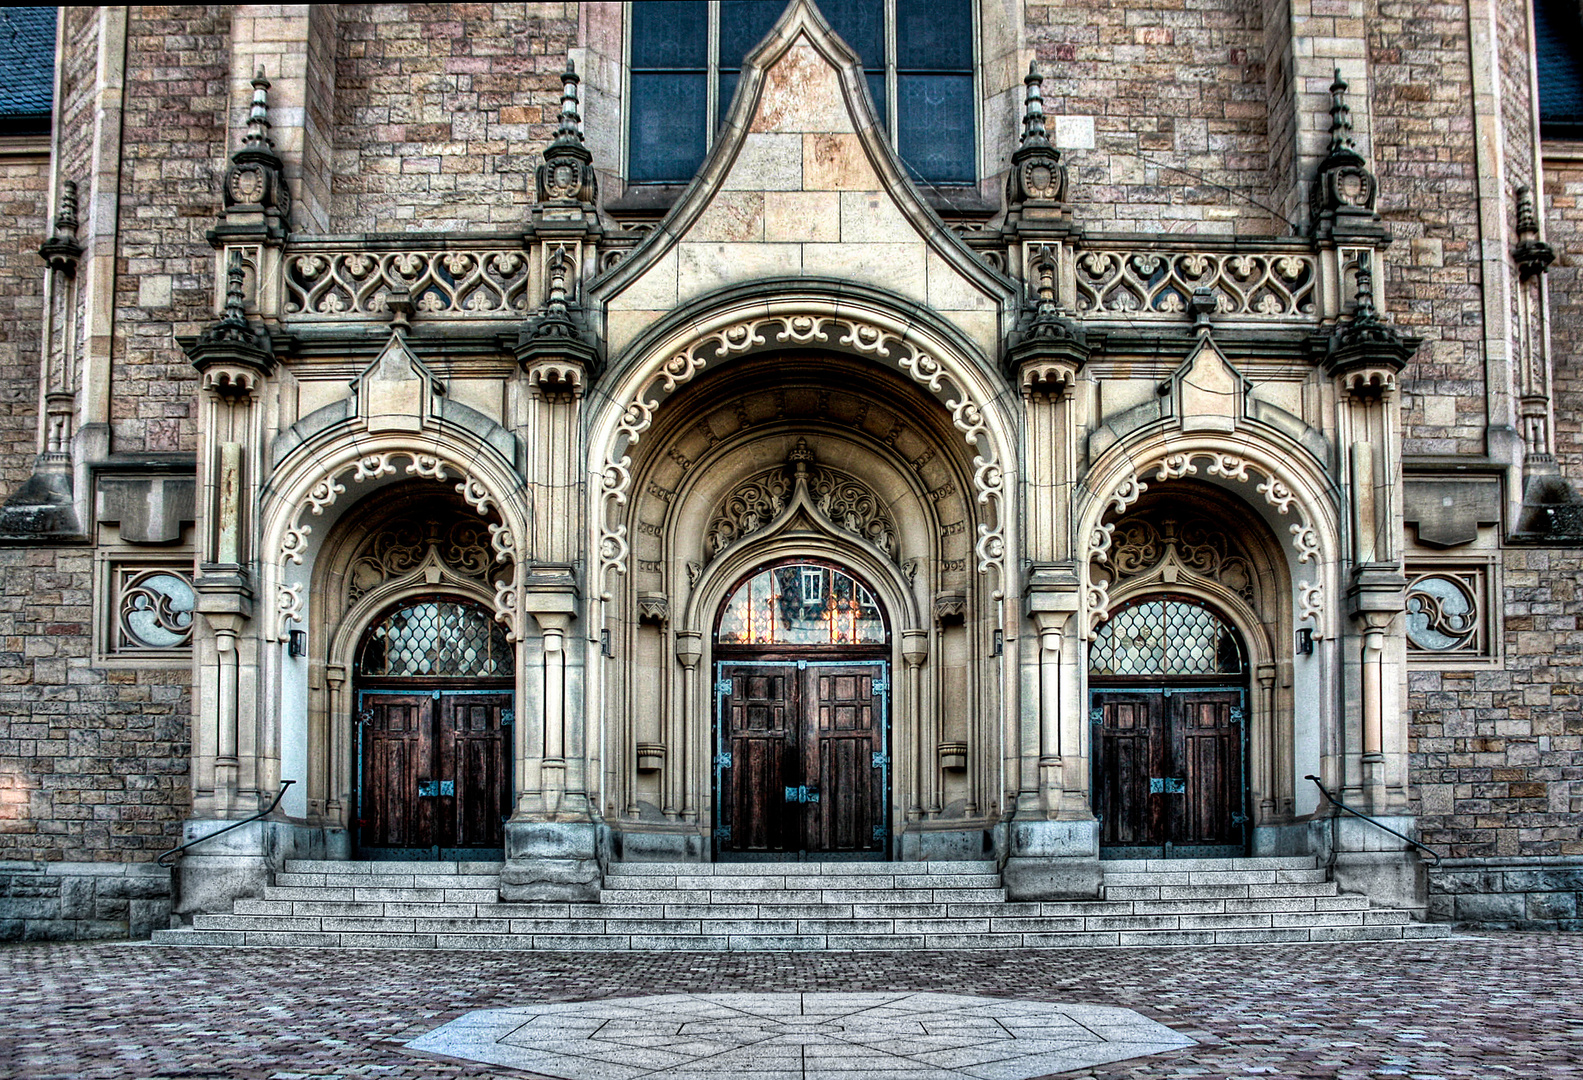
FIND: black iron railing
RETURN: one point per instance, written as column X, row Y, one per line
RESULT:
column 173, row 852
column 1431, row 852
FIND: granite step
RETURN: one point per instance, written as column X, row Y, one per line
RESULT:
column 798, row 907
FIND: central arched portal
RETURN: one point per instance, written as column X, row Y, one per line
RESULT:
column 1168, row 701
column 434, row 709
column 802, row 689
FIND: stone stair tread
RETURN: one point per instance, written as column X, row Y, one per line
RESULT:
column 800, row 907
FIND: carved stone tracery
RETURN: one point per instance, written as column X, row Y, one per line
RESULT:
column 1173, row 548
column 402, row 548
column 847, row 503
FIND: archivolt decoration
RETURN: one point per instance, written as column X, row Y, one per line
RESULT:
column 1118, row 543
column 792, row 330
column 294, row 543
column 847, row 502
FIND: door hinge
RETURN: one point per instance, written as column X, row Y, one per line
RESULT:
column 723, row 760
column 879, row 834
column 507, row 717
column 365, row 717
column 723, row 832
column 435, row 695
column 1167, row 785
column 802, row 793
column 881, row 686
column 879, row 760
column 1239, row 819
column 802, row 665
column 1096, row 716
column 1237, row 715
column 723, row 686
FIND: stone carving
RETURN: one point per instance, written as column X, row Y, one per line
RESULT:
column 845, row 501
column 1142, row 547
column 330, row 283
column 1143, row 284
column 1444, row 613
column 155, row 609
column 464, row 546
column 800, row 329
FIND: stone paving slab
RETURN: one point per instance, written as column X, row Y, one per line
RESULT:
column 817, row 1036
column 1466, row 1008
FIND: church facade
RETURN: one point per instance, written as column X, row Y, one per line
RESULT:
column 575, row 434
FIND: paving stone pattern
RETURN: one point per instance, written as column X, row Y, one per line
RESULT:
column 691, row 907
column 817, row 1036
column 1505, row 1005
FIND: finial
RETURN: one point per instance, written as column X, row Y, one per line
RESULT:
column 800, row 457
column 1044, row 266
column 558, row 266
column 1533, row 255
column 66, row 218
column 258, row 118
column 235, row 275
column 571, row 121
column 1365, row 301
column 1527, row 217
column 1033, row 133
column 1340, row 116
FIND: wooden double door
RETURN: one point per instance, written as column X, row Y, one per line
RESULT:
column 1170, row 765
column 802, row 766
column 434, row 770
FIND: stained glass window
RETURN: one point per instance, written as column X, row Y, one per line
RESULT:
column 801, row 604
column 437, row 637
column 1165, row 637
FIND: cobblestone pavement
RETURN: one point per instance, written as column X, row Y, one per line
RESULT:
column 1506, row 1005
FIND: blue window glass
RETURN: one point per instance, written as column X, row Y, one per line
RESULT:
column 670, row 79
column 27, row 70
column 675, row 51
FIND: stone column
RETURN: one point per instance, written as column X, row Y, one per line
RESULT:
column 914, row 651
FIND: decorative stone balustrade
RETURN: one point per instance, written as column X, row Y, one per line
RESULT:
column 1150, row 283
column 325, row 283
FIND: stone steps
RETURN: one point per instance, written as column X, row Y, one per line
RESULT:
column 799, row 907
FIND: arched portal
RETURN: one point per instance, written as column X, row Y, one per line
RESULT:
column 1168, row 697
column 802, row 689
column 434, row 709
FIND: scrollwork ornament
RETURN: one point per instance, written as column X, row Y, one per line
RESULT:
column 372, row 466
column 1099, row 541
column 1276, row 494
column 501, row 540
column 324, row 493
column 475, row 494
column 288, row 604
column 295, row 543
column 1306, row 541
column 1311, row 604
column 1175, row 466
column 1096, row 603
column 428, row 467
column 507, row 607
column 1229, row 466
column 1129, row 492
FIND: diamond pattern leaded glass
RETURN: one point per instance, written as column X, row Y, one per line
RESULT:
column 438, row 637
column 1164, row 637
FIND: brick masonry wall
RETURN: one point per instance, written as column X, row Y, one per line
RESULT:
column 24, row 184
column 174, row 147
column 441, row 111
column 43, row 901
column 1178, row 99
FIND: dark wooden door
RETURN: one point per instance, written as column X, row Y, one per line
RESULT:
column 1169, row 768
column 802, row 768
column 435, row 771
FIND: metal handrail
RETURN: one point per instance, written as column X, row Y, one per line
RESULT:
column 284, row 784
column 1377, row 824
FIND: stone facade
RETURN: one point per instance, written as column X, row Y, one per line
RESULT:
column 345, row 310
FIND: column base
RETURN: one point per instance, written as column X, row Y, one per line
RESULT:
column 1053, row 860
column 551, row 861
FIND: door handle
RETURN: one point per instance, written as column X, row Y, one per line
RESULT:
column 802, row 793
column 428, row 789
column 1167, row 785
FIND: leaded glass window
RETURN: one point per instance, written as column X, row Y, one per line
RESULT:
column 917, row 59
column 1165, row 637
column 454, row 638
column 801, row 604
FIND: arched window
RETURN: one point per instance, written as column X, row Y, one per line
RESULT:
column 801, row 604
column 433, row 637
column 1165, row 637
